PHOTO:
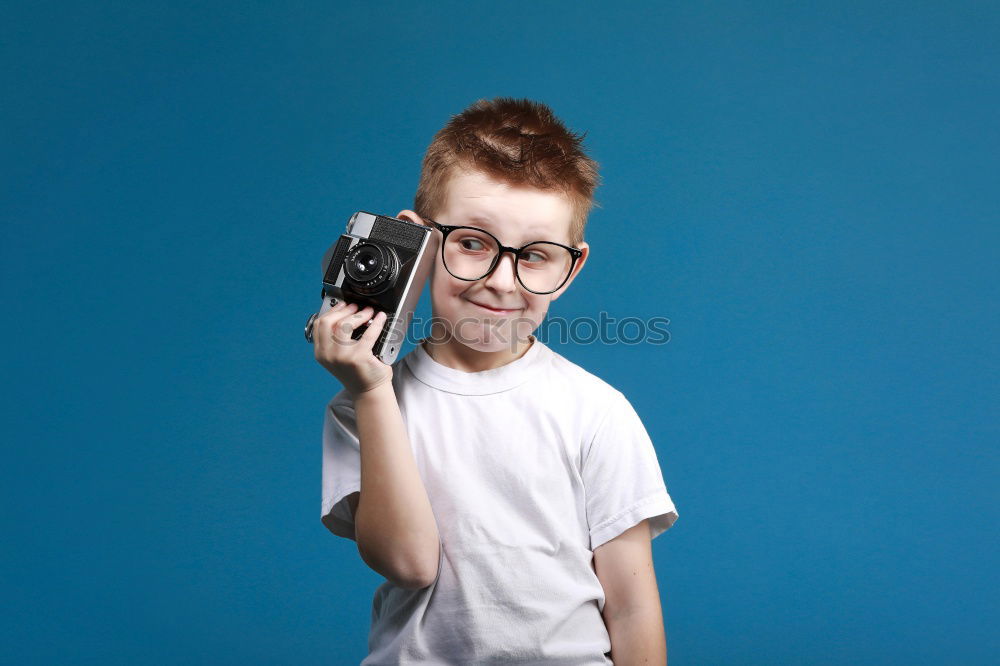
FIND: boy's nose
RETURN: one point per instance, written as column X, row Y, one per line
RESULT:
column 502, row 278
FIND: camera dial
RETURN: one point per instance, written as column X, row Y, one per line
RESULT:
column 371, row 268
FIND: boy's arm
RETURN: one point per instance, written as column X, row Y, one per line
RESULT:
column 394, row 525
column 632, row 612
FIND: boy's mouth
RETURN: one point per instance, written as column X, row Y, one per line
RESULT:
column 498, row 311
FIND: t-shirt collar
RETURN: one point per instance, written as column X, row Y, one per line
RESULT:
column 484, row 382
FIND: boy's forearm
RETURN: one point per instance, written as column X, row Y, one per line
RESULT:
column 395, row 527
column 638, row 638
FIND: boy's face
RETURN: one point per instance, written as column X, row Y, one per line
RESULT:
column 496, row 313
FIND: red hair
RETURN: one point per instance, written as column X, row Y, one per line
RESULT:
column 516, row 141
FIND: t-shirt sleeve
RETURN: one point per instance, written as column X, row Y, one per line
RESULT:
column 622, row 476
column 341, row 465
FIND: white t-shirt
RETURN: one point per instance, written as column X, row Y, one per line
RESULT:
column 529, row 467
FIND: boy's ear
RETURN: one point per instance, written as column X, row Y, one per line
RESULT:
column 576, row 270
column 410, row 216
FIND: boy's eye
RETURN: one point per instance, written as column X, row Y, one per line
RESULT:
column 471, row 244
column 534, row 257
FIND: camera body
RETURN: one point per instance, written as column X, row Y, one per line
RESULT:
column 382, row 262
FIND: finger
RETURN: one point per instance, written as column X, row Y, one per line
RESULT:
column 371, row 335
column 325, row 326
column 315, row 322
column 343, row 329
column 336, row 311
column 332, row 317
column 336, row 306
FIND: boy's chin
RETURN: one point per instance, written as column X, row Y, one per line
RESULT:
column 492, row 346
column 488, row 339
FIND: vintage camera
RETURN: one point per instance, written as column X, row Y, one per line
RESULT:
column 382, row 262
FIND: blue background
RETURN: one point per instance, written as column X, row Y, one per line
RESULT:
column 808, row 193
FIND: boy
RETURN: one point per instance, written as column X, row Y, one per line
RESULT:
column 507, row 495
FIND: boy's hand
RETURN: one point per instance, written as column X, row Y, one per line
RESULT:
column 350, row 361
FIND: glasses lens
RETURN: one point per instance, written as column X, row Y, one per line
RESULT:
column 469, row 253
column 544, row 266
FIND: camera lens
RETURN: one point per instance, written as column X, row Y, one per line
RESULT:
column 370, row 268
column 367, row 263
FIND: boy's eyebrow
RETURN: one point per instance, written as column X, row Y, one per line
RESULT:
column 486, row 222
column 490, row 225
column 481, row 220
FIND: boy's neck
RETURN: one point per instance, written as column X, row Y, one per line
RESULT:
column 453, row 354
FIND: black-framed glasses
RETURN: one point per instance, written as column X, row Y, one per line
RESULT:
column 470, row 254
